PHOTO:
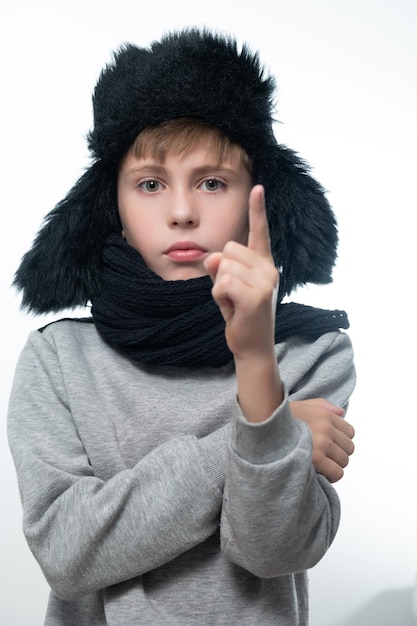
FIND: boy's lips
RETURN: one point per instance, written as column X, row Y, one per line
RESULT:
column 185, row 251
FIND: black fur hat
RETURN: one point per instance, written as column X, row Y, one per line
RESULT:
column 190, row 73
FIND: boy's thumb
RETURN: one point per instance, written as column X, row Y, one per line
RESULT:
column 212, row 264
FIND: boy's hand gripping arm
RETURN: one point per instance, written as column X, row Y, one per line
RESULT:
column 331, row 434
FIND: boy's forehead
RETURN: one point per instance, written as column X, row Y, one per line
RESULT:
column 178, row 138
column 202, row 158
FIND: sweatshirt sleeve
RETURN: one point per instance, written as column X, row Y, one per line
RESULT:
column 278, row 515
column 87, row 533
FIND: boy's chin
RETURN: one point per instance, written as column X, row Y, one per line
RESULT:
column 184, row 273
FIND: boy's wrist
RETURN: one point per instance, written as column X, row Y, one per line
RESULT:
column 260, row 390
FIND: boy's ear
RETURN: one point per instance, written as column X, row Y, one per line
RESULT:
column 63, row 267
column 303, row 227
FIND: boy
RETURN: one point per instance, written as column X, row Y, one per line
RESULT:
column 164, row 477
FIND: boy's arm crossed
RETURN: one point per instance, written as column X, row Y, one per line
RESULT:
column 279, row 516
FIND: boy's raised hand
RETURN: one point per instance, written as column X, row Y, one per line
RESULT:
column 245, row 285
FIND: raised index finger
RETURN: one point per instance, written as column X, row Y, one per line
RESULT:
column 258, row 239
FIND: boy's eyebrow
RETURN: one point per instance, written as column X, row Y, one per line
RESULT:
column 200, row 170
column 148, row 166
column 218, row 167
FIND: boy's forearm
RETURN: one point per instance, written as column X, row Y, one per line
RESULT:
column 259, row 386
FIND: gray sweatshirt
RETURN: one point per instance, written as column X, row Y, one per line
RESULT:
column 148, row 499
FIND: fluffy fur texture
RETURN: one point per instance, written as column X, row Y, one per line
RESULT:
column 190, row 73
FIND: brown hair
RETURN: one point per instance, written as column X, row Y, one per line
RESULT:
column 177, row 136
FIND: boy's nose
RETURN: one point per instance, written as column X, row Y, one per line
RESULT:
column 183, row 211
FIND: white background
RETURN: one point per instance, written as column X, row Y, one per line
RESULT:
column 347, row 102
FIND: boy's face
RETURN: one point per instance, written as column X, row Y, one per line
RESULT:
column 177, row 212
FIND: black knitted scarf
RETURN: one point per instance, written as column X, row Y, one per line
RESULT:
column 161, row 322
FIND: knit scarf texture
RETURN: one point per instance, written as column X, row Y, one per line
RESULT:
column 177, row 323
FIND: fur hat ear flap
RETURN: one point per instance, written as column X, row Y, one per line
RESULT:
column 63, row 267
column 303, row 227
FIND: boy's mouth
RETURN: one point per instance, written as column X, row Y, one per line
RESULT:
column 186, row 251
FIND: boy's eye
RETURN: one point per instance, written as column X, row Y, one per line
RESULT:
column 149, row 185
column 212, row 184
